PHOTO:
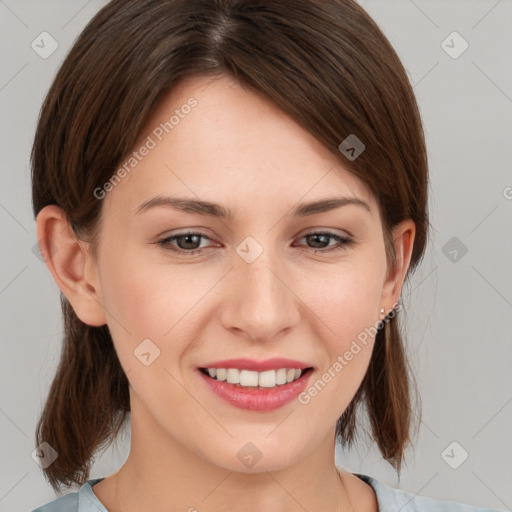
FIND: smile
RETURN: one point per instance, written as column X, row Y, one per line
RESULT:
column 243, row 392
column 254, row 379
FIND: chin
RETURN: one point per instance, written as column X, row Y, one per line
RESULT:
column 254, row 457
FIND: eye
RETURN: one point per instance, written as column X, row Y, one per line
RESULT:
column 190, row 242
column 320, row 238
column 187, row 242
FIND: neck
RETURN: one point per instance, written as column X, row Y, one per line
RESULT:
column 161, row 474
column 226, row 490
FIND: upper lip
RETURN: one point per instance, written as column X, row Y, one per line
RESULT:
column 258, row 366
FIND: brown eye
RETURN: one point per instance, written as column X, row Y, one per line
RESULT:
column 187, row 243
column 320, row 238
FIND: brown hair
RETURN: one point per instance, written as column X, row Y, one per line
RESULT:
column 326, row 64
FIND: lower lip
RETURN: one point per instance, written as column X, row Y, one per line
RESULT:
column 257, row 399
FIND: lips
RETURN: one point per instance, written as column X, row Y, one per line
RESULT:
column 269, row 397
column 258, row 366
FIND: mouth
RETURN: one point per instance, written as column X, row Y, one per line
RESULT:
column 255, row 390
column 251, row 379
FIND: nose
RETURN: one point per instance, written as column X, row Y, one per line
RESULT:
column 262, row 304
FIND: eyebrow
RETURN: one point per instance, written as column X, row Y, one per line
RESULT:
column 216, row 210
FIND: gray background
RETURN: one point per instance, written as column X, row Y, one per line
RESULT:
column 458, row 305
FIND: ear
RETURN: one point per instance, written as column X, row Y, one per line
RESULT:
column 71, row 265
column 403, row 241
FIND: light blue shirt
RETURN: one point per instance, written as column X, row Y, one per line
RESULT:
column 388, row 498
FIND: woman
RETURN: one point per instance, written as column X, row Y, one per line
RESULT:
column 230, row 195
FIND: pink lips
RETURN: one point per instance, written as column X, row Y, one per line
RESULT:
column 258, row 366
column 253, row 398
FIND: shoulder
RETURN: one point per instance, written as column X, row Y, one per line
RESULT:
column 390, row 499
column 83, row 500
column 66, row 503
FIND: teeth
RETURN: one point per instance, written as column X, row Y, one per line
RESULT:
column 248, row 378
column 233, row 376
column 221, row 373
column 267, row 379
column 281, row 376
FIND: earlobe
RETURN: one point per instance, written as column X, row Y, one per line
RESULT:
column 403, row 240
column 67, row 259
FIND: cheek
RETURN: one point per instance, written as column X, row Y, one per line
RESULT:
column 150, row 300
column 345, row 303
column 146, row 303
column 346, row 299
column 131, row 295
column 128, row 291
column 346, row 344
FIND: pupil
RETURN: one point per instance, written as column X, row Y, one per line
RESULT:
column 316, row 237
column 187, row 238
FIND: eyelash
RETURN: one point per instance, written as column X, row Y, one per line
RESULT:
column 343, row 242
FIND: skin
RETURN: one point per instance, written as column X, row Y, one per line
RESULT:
column 237, row 149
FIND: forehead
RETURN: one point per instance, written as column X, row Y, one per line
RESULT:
column 214, row 139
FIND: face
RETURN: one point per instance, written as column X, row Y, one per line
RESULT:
column 268, row 282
